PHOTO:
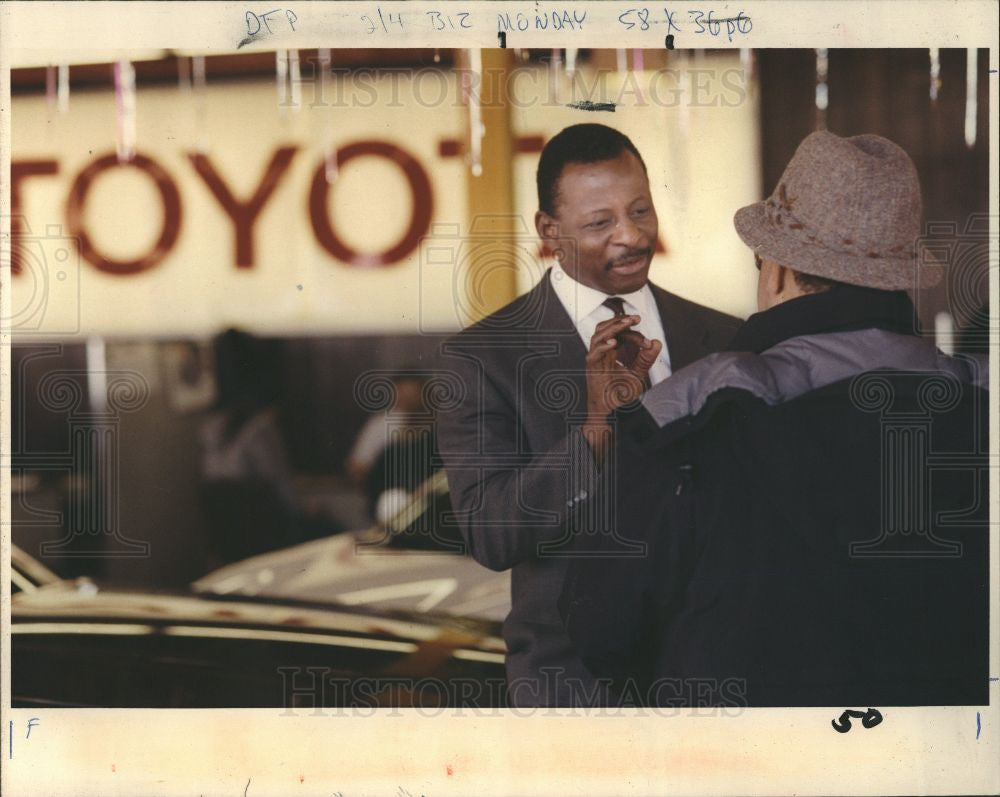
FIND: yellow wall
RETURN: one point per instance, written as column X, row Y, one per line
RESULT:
column 703, row 164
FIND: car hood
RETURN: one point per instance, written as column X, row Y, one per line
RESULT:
column 349, row 569
column 81, row 607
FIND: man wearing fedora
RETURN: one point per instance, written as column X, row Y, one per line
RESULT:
column 812, row 503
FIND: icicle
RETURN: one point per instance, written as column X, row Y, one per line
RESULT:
column 62, row 91
column 822, row 91
column 50, row 87
column 125, row 106
column 184, row 75
column 935, row 55
column 622, row 61
column 199, row 84
column 639, row 66
column 475, row 156
column 281, row 76
column 331, row 168
column 555, row 67
column 198, row 72
column 324, row 61
column 683, row 104
column 570, row 61
column 971, row 96
column 437, row 56
column 678, row 140
column 746, row 61
column 295, row 79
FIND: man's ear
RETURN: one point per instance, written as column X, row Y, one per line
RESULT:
column 781, row 277
column 546, row 226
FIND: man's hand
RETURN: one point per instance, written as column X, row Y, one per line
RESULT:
column 610, row 384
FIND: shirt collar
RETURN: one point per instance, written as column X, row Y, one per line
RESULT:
column 581, row 300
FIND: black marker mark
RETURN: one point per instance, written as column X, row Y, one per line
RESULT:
column 503, row 39
column 670, row 41
column 247, row 787
column 587, row 105
column 869, row 719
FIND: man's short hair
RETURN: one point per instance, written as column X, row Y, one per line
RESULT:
column 810, row 283
column 583, row 143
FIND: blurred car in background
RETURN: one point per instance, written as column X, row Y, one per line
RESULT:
column 415, row 562
column 393, row 617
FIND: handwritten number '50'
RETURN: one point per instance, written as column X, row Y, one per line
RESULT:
column 869, row 719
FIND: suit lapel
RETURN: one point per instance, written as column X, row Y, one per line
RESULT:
column 557, row 336
column 685, row 337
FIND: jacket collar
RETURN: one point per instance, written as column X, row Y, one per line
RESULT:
column 842, row 308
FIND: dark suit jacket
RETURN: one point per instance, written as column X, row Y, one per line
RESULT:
column 519, row 469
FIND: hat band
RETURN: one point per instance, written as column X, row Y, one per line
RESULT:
column 781, row 216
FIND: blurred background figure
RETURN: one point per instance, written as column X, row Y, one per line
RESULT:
column 395, row 449
column 248, row 492
column 374, row 435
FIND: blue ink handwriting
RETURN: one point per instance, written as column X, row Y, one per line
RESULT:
column 441, row 21
column 385, row 21
column 259, row 25
column 557, row 20
column 32, row 723
column 642, row 19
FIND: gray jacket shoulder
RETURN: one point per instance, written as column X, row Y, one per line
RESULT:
column 801, row 364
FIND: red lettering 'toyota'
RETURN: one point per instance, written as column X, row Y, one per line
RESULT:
column 21, row 170
column 171, row 214
column 244, row 214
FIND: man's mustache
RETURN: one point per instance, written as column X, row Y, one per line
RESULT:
column 630, row 255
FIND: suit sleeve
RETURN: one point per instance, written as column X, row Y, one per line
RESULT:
column 512, row 502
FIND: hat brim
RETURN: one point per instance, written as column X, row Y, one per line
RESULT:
column 785, row 248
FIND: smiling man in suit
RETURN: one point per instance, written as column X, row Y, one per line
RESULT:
column 519, row 465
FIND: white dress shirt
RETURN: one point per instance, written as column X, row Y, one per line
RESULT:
column 585, row 305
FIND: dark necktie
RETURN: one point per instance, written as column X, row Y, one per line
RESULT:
column 629, row 341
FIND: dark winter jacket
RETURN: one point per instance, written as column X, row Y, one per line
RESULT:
column 813, row 510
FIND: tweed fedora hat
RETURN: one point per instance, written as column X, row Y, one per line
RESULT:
column 847, row 209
